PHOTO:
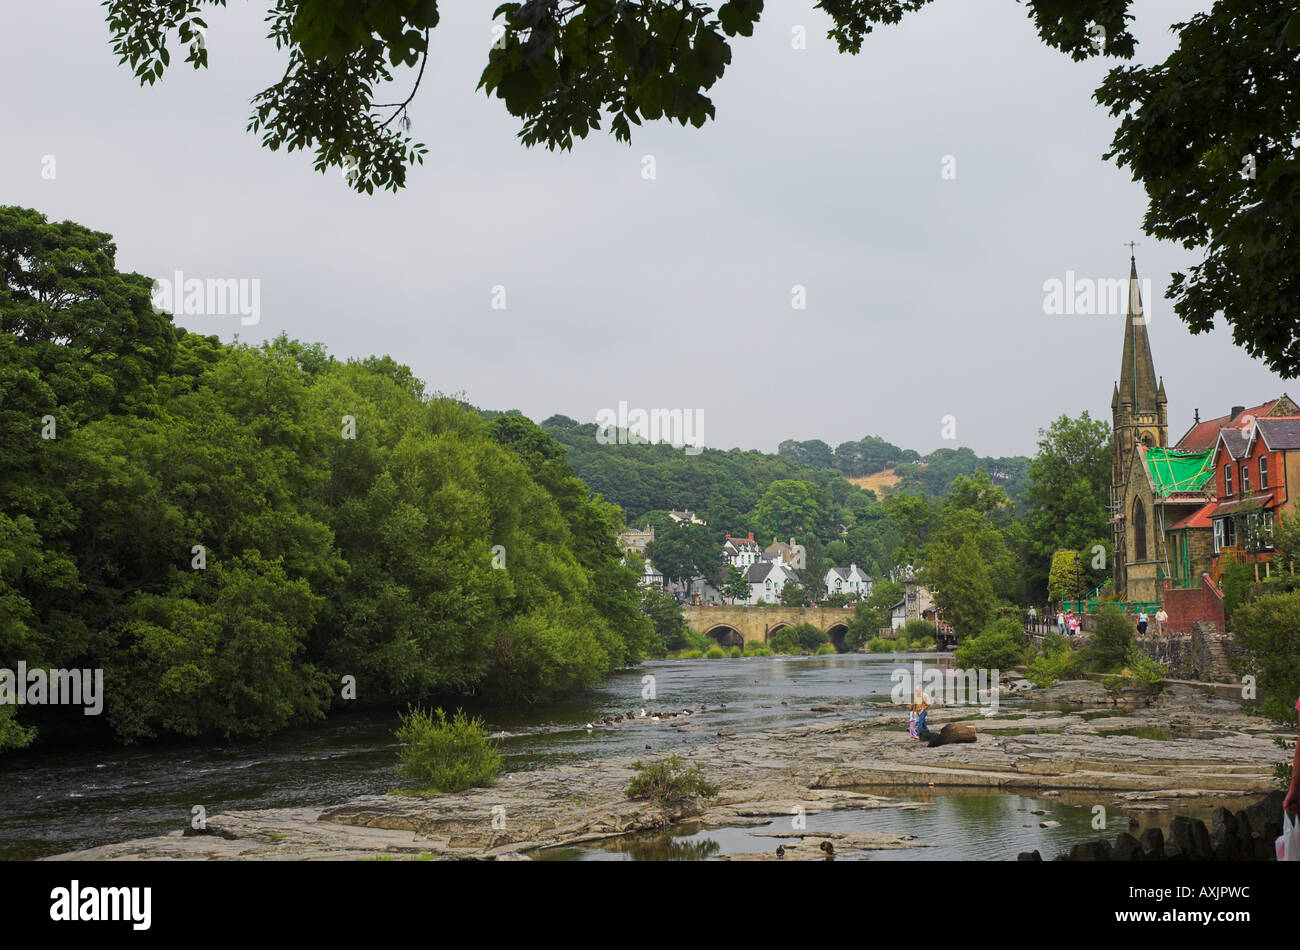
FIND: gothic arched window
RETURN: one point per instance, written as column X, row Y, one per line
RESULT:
column 1139, row 531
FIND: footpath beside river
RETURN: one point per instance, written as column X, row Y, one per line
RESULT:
column 1185, row 746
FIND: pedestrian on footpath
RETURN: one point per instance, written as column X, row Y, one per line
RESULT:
column 1060, row 623
column 1142, row 623
column 1162, row 619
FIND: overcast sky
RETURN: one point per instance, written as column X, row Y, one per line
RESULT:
column 924, row 295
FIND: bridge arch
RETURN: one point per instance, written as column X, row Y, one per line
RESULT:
column 836, row 633
column 726, row 635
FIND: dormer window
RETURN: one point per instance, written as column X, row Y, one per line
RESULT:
column 1227, row 479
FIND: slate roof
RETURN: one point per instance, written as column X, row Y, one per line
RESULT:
column 1281, row 433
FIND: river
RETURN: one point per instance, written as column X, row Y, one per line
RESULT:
column 80, row 795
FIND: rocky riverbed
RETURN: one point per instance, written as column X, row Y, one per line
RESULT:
column 1185, row 745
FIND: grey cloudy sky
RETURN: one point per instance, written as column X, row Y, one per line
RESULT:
column 924, row 295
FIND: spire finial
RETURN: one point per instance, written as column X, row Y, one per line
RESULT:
column 1131, row 245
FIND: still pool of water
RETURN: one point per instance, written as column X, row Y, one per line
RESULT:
column 958, row 824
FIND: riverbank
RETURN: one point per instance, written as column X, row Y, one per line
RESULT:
column 1185, row 745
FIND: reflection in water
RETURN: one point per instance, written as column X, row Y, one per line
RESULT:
column 957, row 824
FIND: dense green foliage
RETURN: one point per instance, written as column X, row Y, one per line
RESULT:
column 669, row 781
column 446, row 755
column 1268, row 635
column 1112, row 639
column 205, row 529
column 999, row 646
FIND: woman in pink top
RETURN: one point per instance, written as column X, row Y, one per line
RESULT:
column 1291, row 803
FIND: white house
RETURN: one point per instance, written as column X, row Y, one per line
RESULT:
column 742, row 552
column 851, row 580
column 651, row 577
column 687, row 516
column 766, row 579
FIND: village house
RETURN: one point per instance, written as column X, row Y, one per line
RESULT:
column 741, row 552
column 651, row 577
column 688, row 517
column 917, row 604
column 1255, row 461
column 787, row 553
column 635, row 539
column 766, row 580
column 850, row 580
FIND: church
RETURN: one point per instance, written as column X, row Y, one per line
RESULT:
column 1164, row 498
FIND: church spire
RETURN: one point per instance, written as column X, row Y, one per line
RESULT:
column 1137, row 376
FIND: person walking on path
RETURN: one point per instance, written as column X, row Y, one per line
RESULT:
column 1162, row 619
column 1142, row 623
column 1033, row 618
column 1074, row 624
column 1060, row 623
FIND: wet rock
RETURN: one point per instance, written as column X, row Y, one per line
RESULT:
column 1029, row 856
column 1091, row 851
column 1127, row 848
column 1229, row 838
column 1049, row 824
column 1153, row 845
column 1188, row 840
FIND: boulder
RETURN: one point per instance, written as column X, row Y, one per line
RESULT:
column 1091, row 851
column 1264, row 820
column 1029, row 856
column 1153, row 845
column 1189, row 840
column 1127, row 848
column 1230, row 837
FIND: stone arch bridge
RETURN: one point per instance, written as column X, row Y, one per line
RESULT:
column 736, row 626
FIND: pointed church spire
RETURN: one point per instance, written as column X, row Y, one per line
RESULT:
column 1137, row 377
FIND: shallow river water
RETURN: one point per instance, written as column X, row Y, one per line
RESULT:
column 76, row 796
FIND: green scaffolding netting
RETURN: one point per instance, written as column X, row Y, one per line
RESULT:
column 1179, row 471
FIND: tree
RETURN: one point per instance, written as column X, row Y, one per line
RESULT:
column 736, row 586
column 1069, row 484
column 1064, row 581
column 1112, row 639
column 961, row 586
column 563, row 69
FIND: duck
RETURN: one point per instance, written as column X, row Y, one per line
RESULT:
column 827, row 847
column 780, row 851
column 642, row 713
column 590, row 727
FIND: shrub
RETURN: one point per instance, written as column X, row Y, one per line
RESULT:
column 735, row 652
column 715, row 652
column 784, row 641
column 881, row 645
column 442, row 755
column 669, row 781
column 1148, row 673
column 918, row 631
column 1268, row 634
column 757, row 649
column 1112, row 640
column 991, row 650
column 690, row 655
column 809, row 637
column 824, row 649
